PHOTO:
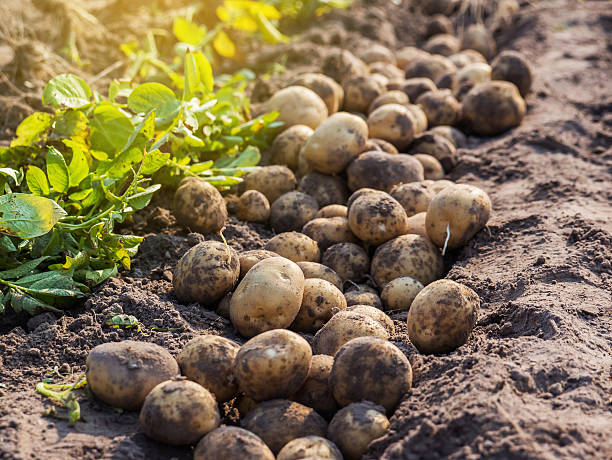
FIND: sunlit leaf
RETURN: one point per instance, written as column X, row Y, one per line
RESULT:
column 188, row 32
column 57, row 171
column 28, row 216
column 110, row 129
column 224, row 45
column 67, row 90
column 32, row 129
column 37, row 181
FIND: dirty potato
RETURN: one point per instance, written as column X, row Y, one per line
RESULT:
column 199, row 206
column 477, row 37
column 383, row 171
column 443, row 44
column 297, row 105
column 294, row 246
column 324, row 188
column 407, row 55
column 377, row 53
column 315, row 391
column 320, row 299
column 389, row 97
column 470, row 76
column 387, row 70
column 359, row 297
column 376, row 314
column 320, row 271
column 514, row 67
column 414, row 87
column 312, row 447
column 440, row 107
column 399, row 293
column 360, row 92
column 285, row 149
column 393, row 123
column 420, row 116
column 438, row 147
column 272, row 181
column 332, row 210
column 432, row 168
column 377, row 218
column 249, row 258
column 292, row 210
column 414, row 197
column 232, row 443
column 253, row 206
column 349, row 260
column 382, row 145
column 327, row 89
column 438, row 24
column 432, row 66
column 456, row 137
column 329, row 231
column 341, row 64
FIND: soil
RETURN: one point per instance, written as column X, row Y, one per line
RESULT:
column 534, row 379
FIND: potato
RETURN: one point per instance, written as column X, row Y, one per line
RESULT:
column 291, row 211
column 466, row 57
column 249, row 258
column 178, row 412
column 443, row 44
column 377, row 53
column 390, row 97
column 407, row 255
column 399, row 293
column 416, row 224
column 328, row 90
column 320, row 299
column 382, row 145
column 354, row 427
column 363, row 298
column 514, row 67
column 348, row 260
column 338, row 140
column 199, row 206
column 223, row 307
column 396, row 83
column 324, row 188
column 272, row 181
column 438, row 185
column 414, row 87
column 332, row 210
column 383, row 171
column 294, row 246
column 320, row 271
column 376, row 314
column 432, row 66
column 253, row 206
column 360, row 92
column 278, row 422
column 244, row 404
column 420, row 117
column 361, row 287
column 122, row 373
column 297, row 105
column 456, row 137
column 232, row 443
column 303, row 166
column 393, row 123
column 431, row 167
column 268, row 297
column 285, row 149
column 438, row 147
column 439, row 6
column 442, row 316
column 363, row 191
column 470, row 76
column 341, row 64
column 315, row 391
column 375, row 218
column 477, row 37
column 446, row 80
column 329, row 231
column 438, row 24
column 387, row 70
column 407, row 55
column 459, row 210
column 345, row 326
column 272, row 365
column 205, row 273
column 310, row 447
column 440, row 107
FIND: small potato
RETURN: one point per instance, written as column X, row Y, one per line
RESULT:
column 390, row 97
column 345, row 326
column 320, row 271
column 295, row 246
column 327, row 89
column 360, row 92
column 393, row 123
column 376, row 314
column 377, row 53
column 320, row 299
column 324, row 188
column 442, row 316
column 285, row 149
column 438, row 147
column 382, row 145
column 438, row 24
column 178, row 412
column 315, row 391
column 206, row 273
column 297, row 105
column 268, row 297
column 471, row 56
column 407, row 55
column 470, row 76
column 456, row 137
column 122, row 373
column 414, row 87
column 253, row 206
column 431, row 167
column 199, row 206
column 514, row 67
column 376, row 218
column 399, row 293
column 443, row 44
column 432, row 66
column 440, row 107
column 420, row 116
column 272, row 365
column 459, row 210
column 363, row 298
column 341, row 64
column 249, row 258
column 232, row 443
column 407, row 255
column 387, row 70
column 338, row 140
column 291, row 211
column 350, row 261
column 278, row 422
column 416, row 224
column 477, row 37
column 332, row 210
column 272, row 181
column 310, row 447
column 354, row 427
column 414, row 197
column 383, row 171
column 329, row 231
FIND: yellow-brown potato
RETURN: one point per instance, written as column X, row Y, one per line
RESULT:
column 359, row 297
column 438, row 147
column 361, row 192
column 360, row 92
column 336, row 142
column 387, row 70
column 320, row 299
column 292, row 210
column 205, row 273
column 297, row 105
column 414, row 87
column 327, row 231
column 376, row 314
column 399, row 293
column 377, row 53
column 273, row 364
column 250, row 258
column 438, row 185
column 320, row 271
column 178, row 412
column 514, row 67
column 377, row 218
column 442, row 316
column 207, row 360
column 327, row 89
column 432, row 66
column 383, row 171
column 382, row 145
column 279, row 421
column 285, row 149
column 440, row 107
column 232, row 443
column 303, row 166
column 310, row 447
column 324, row 188
column 332, row 210
column 416, row 224
column 407, row 255
column 446, row 80
column 272, row 181
column 355, row 426
column 419, row 116
column 390, row 97
column 315, row 391
column 361, row 287
column 199, row 206
column 244, row 404
column 396, row 82
column 268, row 297
column 341, row 64
column 122, row 373
column 414, row 197
column 470, row 76
column 460, row 210
column 407, row 55
column 432, row 168
column 438, row 24
column 477, row 37
column 223, row 307
column 466, row 57
column 444, row 44
column 393, row 123
column 456, row 137
column 294, row 246
column 253, row 206
column 343, row 327
column 350, row 261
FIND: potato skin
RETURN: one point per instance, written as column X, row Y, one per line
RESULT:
column 350, row 261
column 310, row 447
column 297, row 105
column 295, row 246
column 363, row 298
column 329, row 231
column 291, row 211
column 268, row 297
column 442, row 44
column 382, row 145
column 122, row 373
column 416, row 225
column 513, row 66
column 383, row 171
column 341, row 64
column 285, row 149
column 320, row 299
column 332, row 210
column 431, row 66
column 253, row 206
column 432, row 168
column 442, row 316
column 315, row 391
column 178, row 412
column 377, row 53
column 414, row 87
column 208, row 360
column 376, row 314
column 453, row 135
column 414, row 197
column 232, row 443
column 249, row 258
column 477, row 37
column 390, row 97
column 324, row 188
column 327, row 88
column 399, row 293
column 199, row 206
column 320, row 271
column 440, row 107
column 393, row 123
column 420, row 116
column 205, row 273
column 377, row 218
column 272, row 181
column 360, row 92
column 438, row 147
column 408, row 54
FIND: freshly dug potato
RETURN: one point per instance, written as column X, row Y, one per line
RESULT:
column 223, row 307
column 420, row 117
column 444, row 44
column 349, row 260
column 493, row 107
column 338, row 140
column 393, row 123
column 341, row 64
column 310, row 447
column 279, row 421
column 253, row 206
column 327, row 89
column 439, row 6
column 438, row 147
column 387, row 70
column 329, row 231
column 466, row 57
column 320, row 271
column 303, row 166
column 456, row 137
column 291, row 211
column 395, row 83
column 407, row 55
column 376, row 218
column 332, row 210
column 320, row 299
column 383, row 171
column 361, row 287
column 178, row 412
column 399, row 293
column 324, row 188
column 363, row 298
column 377, row 53
column 407, row 255
column 446, row 80
column 376, row 314
column 513, row 66
column 345, row 326
column 297, row 105
column 315, row 391
column 294, row 246
column 390, row 97
column 477, row 37
column 268, row 297
column 442, row 316
column 431, row 167
column 416, row 224
column 272, row 365
column 470, row 76
column 205, row 273
column 250, row 258
column 244, row 404
column 355, row 426
column 414, row 87
column 432, row 66
column 285, row 149
column 272, row 181
column 199, row 206
column 438, row 24
column 232, row 443
column 382, row 145
column 360, row 92
column 438, row 185
column 460, row 210
column 122, row 373
column 440, row 107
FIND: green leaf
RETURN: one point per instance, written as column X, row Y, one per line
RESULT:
column 32, row 129
column 97, row 276
column 6, row 244
column 187, row 32
column 23, row 269
column 198, row 75
column 72, row 123
column 37, row 181
column 26, row 303
column 146, row 127
column 66, row 90
column 57, row 171
column 12, row 173
column 142, row 199
column 123, row 163
column 224, row 45
column 155, row 96
column 197, row 168
column 79, row 168
column 28, row 216
column 110, row 129
column 153, row 162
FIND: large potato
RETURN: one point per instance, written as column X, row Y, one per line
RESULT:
column 376, row 218
column 390, row 97
column 477, row 37
column 360, row 92
column 393, row 123
column 253, row 206
column 376, row 314
column 315, row 391
column 349, row 260
column 250, row 258
column 438, row 147
column 312, row 447
column 414, row 87
column 383, row 171
column 268, row 297
column 432, row 66
column 320, row 299
column 432, row 168
column 205, row 273
column 285, row 149
column 297, row 105
column 291, row 211
column 444, row 44
column 414, row 197
column 272, row 365
column 272, row 181
column 295, row 246
column 324, row 188
column 232, row 443
column 329, row 231
column 341, row 64
column 399, row 293
column 514, row 67
column 327, row 89
column 470, row 76
column 332, row 210
column 199, row 206
column 440, row 107
column 442, row 316
column 320, row 271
